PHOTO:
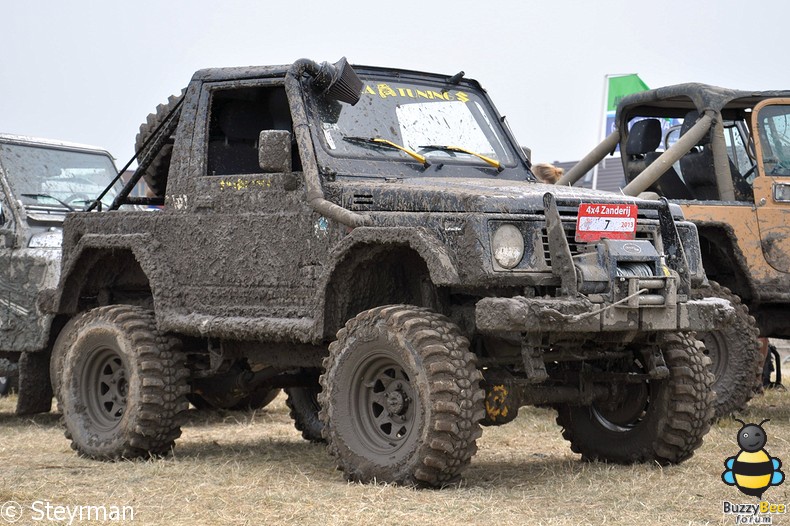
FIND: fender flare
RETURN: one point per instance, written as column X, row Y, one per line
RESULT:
column 91, row 248
column 442, row 267
column 733, row 249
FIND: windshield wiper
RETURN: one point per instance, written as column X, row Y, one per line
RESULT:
column 493, row 162
column 384, row 143
column 47, row 196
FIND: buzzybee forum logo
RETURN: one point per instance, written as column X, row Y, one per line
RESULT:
column 752, row 470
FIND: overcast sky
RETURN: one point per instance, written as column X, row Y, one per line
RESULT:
column 90, row 71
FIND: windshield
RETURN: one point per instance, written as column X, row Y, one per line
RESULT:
column 774, row 126
column 395, row 120
column 53, row 178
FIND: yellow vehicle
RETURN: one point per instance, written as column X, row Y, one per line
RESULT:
column 724, row 156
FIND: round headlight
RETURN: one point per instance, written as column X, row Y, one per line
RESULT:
column 508, row 246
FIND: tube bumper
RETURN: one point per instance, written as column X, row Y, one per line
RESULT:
column 579, row 315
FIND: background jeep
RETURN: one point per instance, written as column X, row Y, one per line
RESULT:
column 722, row 155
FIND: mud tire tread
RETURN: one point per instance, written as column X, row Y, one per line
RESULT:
column 156, row 174
column 736, row 385
column 155, row 417
column 302, row 405
column 452, row 431
column 682, row 415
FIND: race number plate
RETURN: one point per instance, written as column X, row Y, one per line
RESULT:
column 597, row 221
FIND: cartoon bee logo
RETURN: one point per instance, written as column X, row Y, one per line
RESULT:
column 752, row 470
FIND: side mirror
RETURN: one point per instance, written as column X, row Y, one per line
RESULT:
column 274, row 151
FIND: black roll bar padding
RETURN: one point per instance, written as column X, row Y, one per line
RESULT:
column 673, row 247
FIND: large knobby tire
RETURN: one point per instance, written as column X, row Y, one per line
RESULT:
column 659, row 421
column 58, row 356
column 401, row 399
column 304, row 410
column 123, row 385
column 156, row 174
column 734, row 352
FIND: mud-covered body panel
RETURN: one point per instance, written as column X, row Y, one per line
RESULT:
column 36, row 175
column 253, row 261
column 245, row 255
column 23, row 328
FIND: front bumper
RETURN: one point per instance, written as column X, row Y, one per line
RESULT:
column 579, row 315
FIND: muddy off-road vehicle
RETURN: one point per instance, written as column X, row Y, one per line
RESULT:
column 724, row 157
column 374, row 242
column 40, row 182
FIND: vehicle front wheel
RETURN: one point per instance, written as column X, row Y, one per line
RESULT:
column 401, row 399
column 734, row 352
column 653, row 421
column 123, row 385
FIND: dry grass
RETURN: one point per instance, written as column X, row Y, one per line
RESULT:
column 254, row 468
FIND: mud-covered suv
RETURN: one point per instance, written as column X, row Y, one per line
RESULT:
column 373, row 241
column 41, row 181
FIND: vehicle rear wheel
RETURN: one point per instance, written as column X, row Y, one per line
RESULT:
column 734, row 351
column 401, row 399
column 304, row 406
column 654, row 421
column 59, row 356
column 123, row 385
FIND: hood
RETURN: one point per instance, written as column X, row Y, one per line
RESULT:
column 433, row 194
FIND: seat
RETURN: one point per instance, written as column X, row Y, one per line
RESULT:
column 699, row 170
column 235, row 151
column 697, row 165
column 643, row 139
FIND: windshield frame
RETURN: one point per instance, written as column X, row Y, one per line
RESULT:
column 389, row 163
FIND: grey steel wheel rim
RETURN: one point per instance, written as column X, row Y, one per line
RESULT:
column 383, row 405
column 716, row 350
column 104, row 388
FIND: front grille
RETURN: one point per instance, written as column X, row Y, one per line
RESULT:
column 643, row 231
column 362, row 200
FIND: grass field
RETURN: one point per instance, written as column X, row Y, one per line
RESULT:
column 254, row 468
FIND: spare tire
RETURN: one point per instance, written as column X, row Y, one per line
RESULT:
column 156, row 174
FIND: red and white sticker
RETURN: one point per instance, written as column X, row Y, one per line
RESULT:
column 612, row 221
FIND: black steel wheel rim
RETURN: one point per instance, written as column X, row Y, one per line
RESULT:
column 632, row 409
